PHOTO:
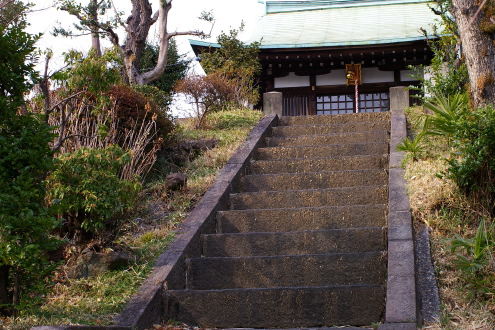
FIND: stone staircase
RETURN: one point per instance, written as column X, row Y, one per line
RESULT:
column 304, row 242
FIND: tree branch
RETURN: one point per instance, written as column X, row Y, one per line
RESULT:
column 155, row 18
column 187, row 33
column 119, row 19
column 477, row 12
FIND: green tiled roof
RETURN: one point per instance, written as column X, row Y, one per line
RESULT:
column 278, row 6
column 345, row 23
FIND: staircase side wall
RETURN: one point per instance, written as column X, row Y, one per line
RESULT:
column 146, row 307
column 401, row 306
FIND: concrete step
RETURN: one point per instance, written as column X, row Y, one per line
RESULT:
column 302, row 219
column 277, row 307
column 320, row 164
column 324, row 139
column 334, row 150
column 296, row 130
column 338, row 119
column 294, row 243
column 286, row 271
column 310, row 198
column 316, row 180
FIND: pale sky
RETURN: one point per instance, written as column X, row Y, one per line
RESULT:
column 183, row 16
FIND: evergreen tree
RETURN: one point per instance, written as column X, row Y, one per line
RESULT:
column 25, row 159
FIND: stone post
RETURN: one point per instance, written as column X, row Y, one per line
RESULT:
column 272, row 103
column 399, row 98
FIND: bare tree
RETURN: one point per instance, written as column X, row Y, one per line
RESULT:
column 137, row 27
column 476, row 27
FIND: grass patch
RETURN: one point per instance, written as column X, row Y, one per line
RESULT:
column 438, row 202
column 97, row 300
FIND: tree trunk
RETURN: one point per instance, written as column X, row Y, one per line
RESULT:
column 16, row 295
column 95, row 43
column 138, row 26
column 164, row 41
column 4, row 285
column 478, row 51
column 95, row 36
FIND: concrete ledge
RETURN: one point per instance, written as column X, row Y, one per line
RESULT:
column 399, row 225
column 425, row 278
column 146, row 307
column 398, row 199
column 398, row 132
column 401, row 305
column 401, row 258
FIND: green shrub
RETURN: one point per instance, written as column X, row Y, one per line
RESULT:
column 412, row 146
column 87, row 192
column 25, row 160
column 448, row 112
column 475, row 258
column 472, row 165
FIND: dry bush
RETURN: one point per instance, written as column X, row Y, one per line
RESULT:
column 122, row 116
column 208, row 93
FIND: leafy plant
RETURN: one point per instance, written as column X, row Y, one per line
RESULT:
column 25, row 160
column 412, row 146
column 476, row 257
column 87, row 192
column 472, row 164
column 448, row 112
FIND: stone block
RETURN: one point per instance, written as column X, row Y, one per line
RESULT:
column 298, row 130
column 401, row 258
column 320, row 164
column 286, row 271
column 401, row 299
column 299, row 219
column 325, row 139
column 309, row 198
column 321, row 180
column 277, row 308
column 327, row 151
column 400, row 225
column 398, row 198
column 399, row 98
column 273, row 103
column 295, row 242
column 338, row 119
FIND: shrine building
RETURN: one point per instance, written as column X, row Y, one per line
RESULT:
column 314, row 52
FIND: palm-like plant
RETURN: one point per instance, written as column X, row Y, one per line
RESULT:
column 448, row 111
column 412, row 146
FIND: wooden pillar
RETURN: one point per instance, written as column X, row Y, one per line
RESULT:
column 312, row 95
